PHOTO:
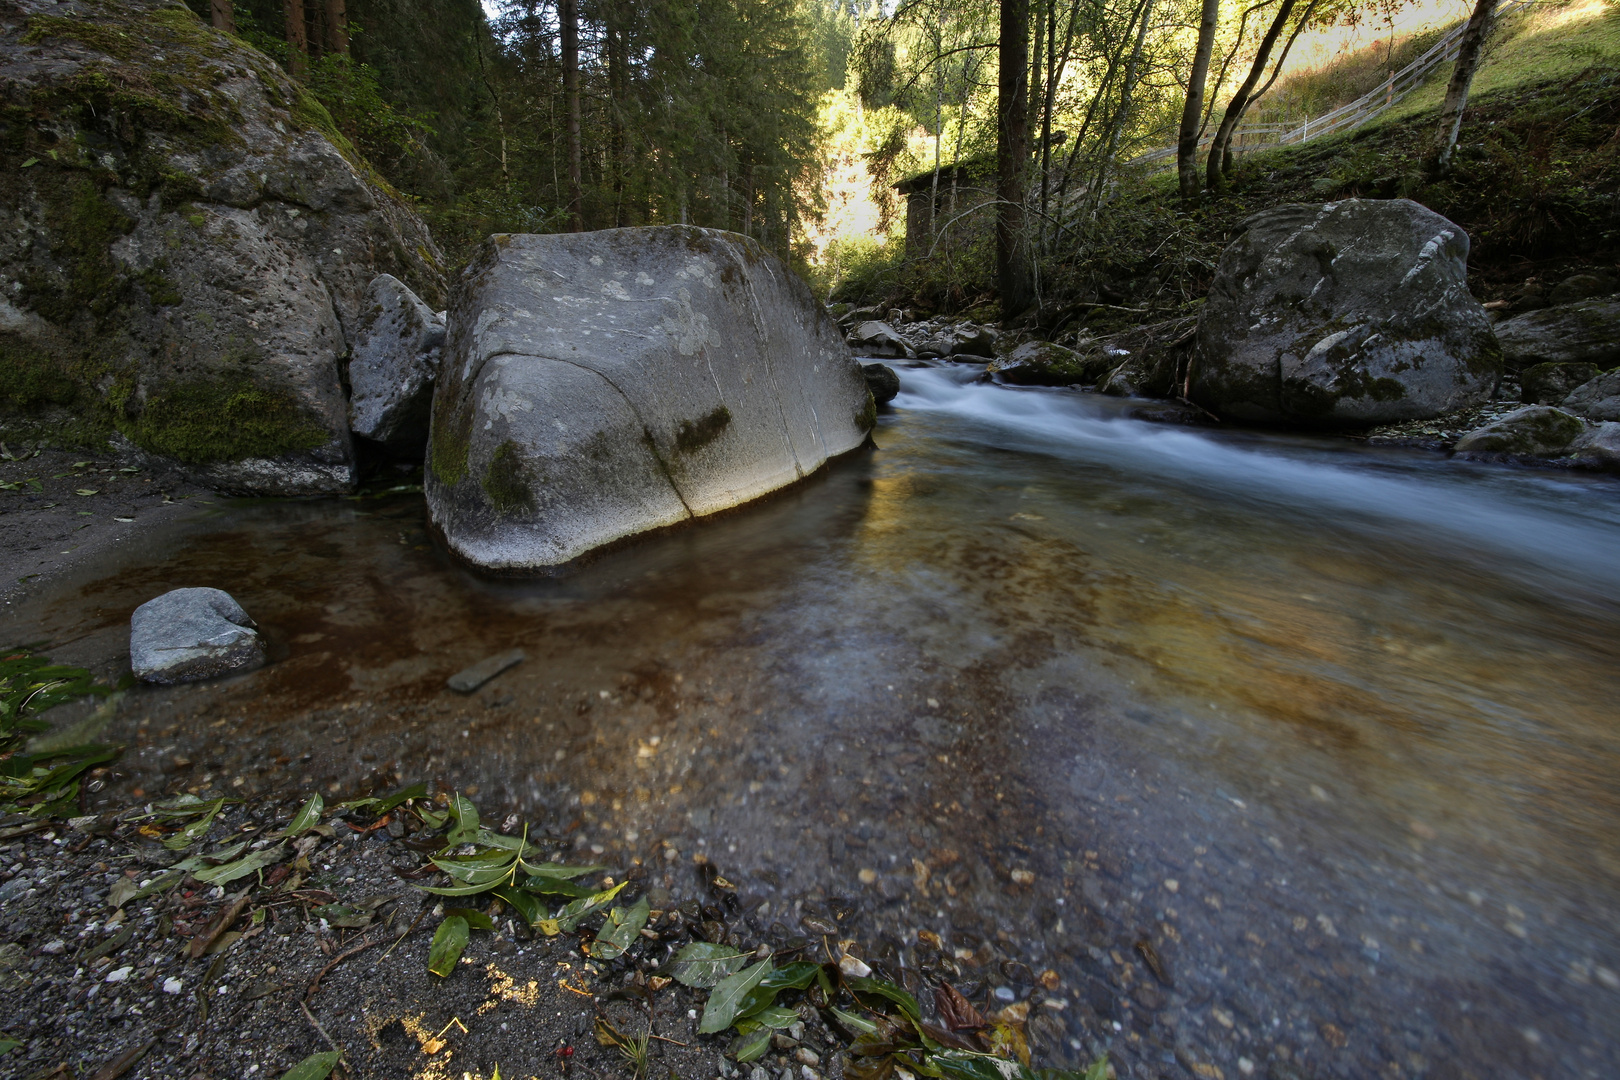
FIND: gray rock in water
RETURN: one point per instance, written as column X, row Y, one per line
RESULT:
column 470, row 679
column 874, row 338
column 192, row 634
column 599, row 385
column 396, row 358
column 1041, row 363
column 968, row 340
column 1349, row 313
column 1597, row 399
column 1598, row 448
column 204, row 327
column 1533, row 431
column 882, row 381
column 1550, row 384
column 1587, row 332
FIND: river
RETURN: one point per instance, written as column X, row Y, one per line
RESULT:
column 1332, row 731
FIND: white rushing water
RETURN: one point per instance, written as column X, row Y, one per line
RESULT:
column 1566, row 525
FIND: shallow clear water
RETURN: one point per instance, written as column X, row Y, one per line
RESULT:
column 1334, row 729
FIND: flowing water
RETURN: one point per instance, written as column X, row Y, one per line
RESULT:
column 1332, row 731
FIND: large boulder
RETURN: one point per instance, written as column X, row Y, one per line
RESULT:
column 1042, row 363
column 1598, row 448
column 598, row 385
column 1597, row 399
column 1549, row 384
column 879, row 339
column 882, row 381
column 1533, row 431
column 1587, row 332
column 190, row 634
column 396, row 359
column 1345, row 314
column 187, row 246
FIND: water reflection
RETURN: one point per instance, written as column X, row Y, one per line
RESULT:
column 1333, row 729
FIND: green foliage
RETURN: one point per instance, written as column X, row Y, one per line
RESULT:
column 859, row 269
column 224, row 418
column 356, row 106
column 47, row 782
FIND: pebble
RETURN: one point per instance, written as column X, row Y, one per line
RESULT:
column 171, row 985
column 806, row 1056
column 1004, row 993
column 1023, row 877
column 54, row 948
column 119, row 975
column 867, row 876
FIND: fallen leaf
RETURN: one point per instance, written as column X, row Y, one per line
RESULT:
column 703, row 964
column 448, row 942
column 721, row 1008
column 314, row 1067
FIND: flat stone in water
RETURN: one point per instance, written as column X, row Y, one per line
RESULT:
column 470, row 679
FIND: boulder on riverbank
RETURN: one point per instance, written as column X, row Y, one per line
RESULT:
column 396, row 358
column 1585, row 332
column 190, row 634
column 1597, row 399
column 882, row 381
column 190, row 240
column 1345, row 314
column 1533, row 431
column 599, row 385
column 1550, row 384
column 881, row 340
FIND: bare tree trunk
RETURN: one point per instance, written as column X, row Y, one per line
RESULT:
column 568, row 16
column 297, row 38
column 1123, row 114
column 494, row 99
column 1012, row 159
column 224, row 16
column 1214, row 174
column 1438, row 160
column 337, row 27
column 617, row 107
column 1300, row 24
column 1187, row 144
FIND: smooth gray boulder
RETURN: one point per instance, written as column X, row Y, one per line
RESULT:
column 1550, row 384
column 1598, row 448
column 396, row 358
column 882, row 380
column 191, row 634
column 1587, row 332
column 963, row 340
column 1041, row 363
column 1533, row 431
column 874, row 338
column 599, row 385
column 1597, row 399
column 1350, row 313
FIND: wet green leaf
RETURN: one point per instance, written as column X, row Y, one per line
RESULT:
column 433, row 819
column 728, row 995
column 527, row 905
column 752, row 1047
column 124, row 890
column 254, row 861
column 476, row 920
column 883, row 988
column 461, row 890
column 381, row 806
column 557, row 870
column 448, row 942
column 314, row 1067
column 197, row 829
column 306, row 818
column 964, row 1065
column 775, row 1017
column 619, row 930
column 551, row 886
column 569, row 918
column 795, row 976
column 858, row 1024
column 703, row 964
column 212, row 858
column 465, row 814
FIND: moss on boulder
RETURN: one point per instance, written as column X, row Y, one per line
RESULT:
column 190, row 244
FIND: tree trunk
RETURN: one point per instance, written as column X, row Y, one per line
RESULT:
column 617, row 107
column 1215, row 174
column 1013, row 277
column 494, row 99
column 297, row 38
column 224, row 16
column 1187, row 144
column 1123, row 115
column 568, row 16
column 1303, row 21
column 337, row 28
column 1438, row 161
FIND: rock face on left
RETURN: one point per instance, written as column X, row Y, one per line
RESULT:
column 187, row 245
column 598, row 385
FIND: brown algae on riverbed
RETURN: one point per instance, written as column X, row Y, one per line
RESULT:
column 1349, row 782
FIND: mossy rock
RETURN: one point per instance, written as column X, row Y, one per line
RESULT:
column 1534, row 431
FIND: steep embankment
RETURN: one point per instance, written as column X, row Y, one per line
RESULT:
column 188, row 239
